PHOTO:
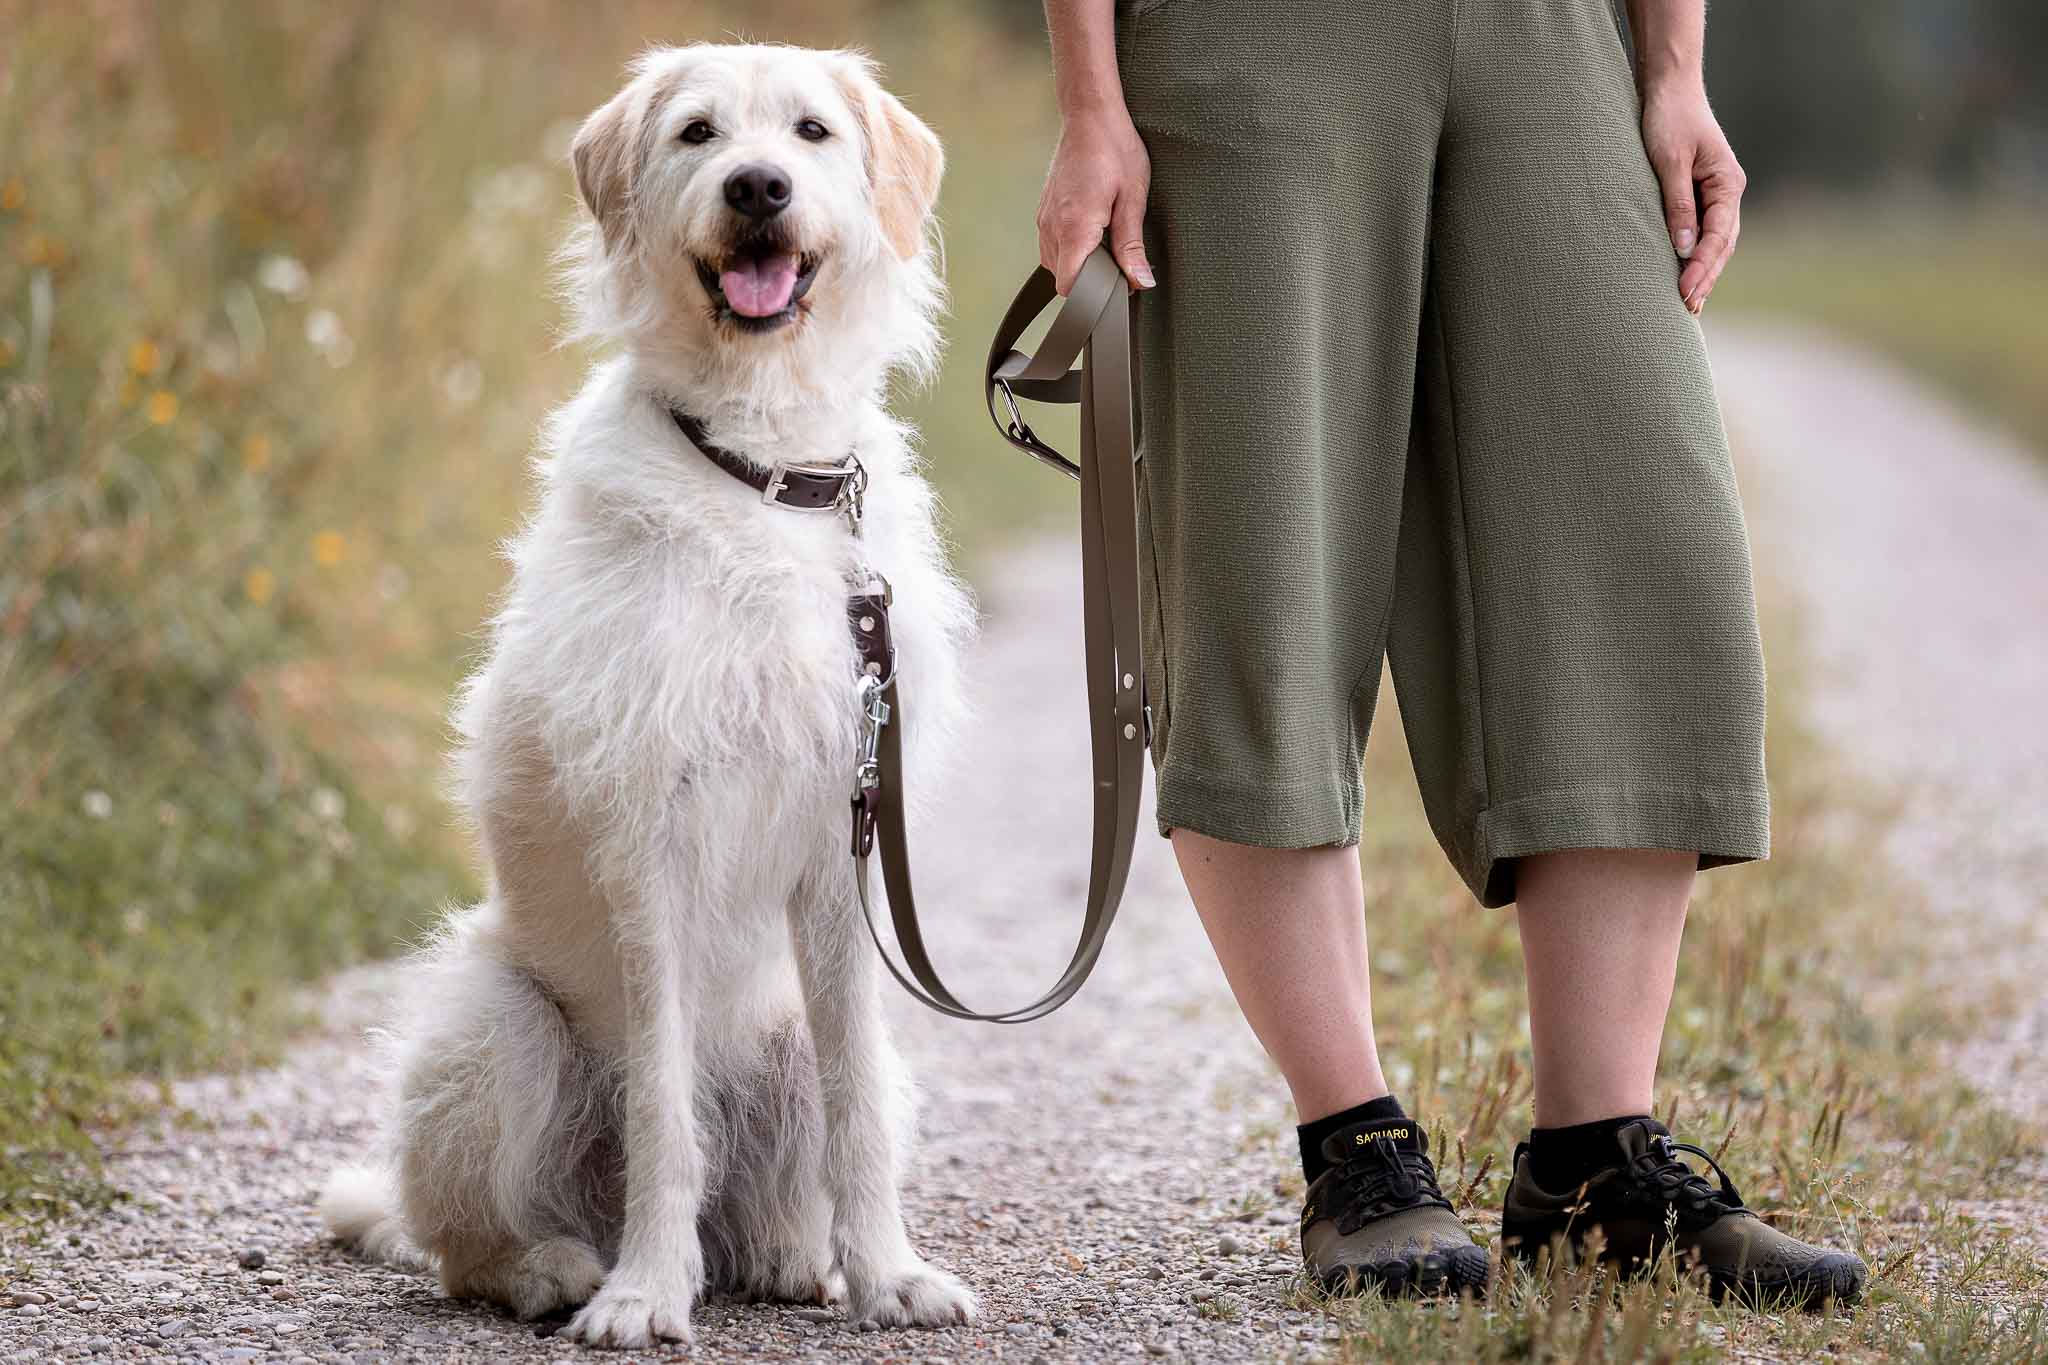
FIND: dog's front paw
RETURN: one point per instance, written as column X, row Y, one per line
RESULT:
column 921, row 1296
column 626, row 1316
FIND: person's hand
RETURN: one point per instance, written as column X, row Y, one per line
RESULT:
column 1702, row 183
column 1099, row 179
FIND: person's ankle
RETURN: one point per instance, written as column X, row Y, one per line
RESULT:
column 1563, row 1157
column 1312, row 1133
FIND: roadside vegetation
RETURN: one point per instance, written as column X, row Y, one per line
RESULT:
column 1955, row 292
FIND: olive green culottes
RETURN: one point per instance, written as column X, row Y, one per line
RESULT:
column 1417, row 385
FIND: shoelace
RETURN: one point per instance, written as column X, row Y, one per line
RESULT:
column 1383, row 1178
column 1659, row 1173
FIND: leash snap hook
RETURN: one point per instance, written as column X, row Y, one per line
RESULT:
column 867, row 777
column 1020, row 430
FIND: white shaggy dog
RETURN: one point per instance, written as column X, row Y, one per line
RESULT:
column 608, row 1092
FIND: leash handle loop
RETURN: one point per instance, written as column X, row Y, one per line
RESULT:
column 1093, row 326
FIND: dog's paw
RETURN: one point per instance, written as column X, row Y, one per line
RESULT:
column 626, row 1316
column 793, row 1279
column 559, row 1273
column 921, row 1296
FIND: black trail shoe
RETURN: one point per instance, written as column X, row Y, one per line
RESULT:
column 1376, row 1221
column 1651, row 1198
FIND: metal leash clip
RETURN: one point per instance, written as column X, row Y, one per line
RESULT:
column 1019, row 429
column 867, row 780
column 852, row 498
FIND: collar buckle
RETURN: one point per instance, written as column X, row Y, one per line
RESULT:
column 851, row 479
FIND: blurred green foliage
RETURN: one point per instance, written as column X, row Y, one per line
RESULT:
column 276, row 328
column 1855, row 95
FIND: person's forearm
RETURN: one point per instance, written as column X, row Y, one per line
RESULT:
column 1670, row 40
column 1084, row 55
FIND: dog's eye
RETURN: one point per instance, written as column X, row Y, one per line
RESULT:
column 696, row 131
column 810, row 130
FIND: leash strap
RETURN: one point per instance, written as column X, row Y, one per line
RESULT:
column 1095, row 325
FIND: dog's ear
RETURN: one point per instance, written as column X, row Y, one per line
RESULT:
column 606, row 155
column 904, row 157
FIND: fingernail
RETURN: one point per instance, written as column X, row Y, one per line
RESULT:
column 1684, row 241
column 1144, row 274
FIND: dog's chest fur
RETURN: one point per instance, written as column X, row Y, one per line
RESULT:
column 667, row 632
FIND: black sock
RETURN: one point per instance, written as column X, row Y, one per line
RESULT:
column 1312, row 1134
column 1564, row 1158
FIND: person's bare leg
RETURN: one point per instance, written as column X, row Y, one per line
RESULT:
column 1288, row 925
column 1600, row 931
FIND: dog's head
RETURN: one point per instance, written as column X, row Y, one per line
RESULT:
column 754, row 205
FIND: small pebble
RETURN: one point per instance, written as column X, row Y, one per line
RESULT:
column 251, row 1258
column 270, row 1277
column 29, row 1310
column 1227, row 1245
column 816, row 1315
column 24, row 1297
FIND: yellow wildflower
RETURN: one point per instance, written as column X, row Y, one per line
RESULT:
column 6, row 351
column 328, row 548
column 144, row 357
column 258, row 584
column 13, row 195
column 163, row 407
column 255, row 452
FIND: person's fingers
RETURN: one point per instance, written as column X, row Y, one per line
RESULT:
column 1720, row 227
column 1127, row 236
column 1674, row 175
column 1076, row 240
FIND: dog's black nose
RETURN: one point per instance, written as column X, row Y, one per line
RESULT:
column 757, row 191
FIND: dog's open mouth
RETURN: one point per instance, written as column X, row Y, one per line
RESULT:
column 759, row 286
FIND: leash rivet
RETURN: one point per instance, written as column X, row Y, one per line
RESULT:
column 1130, row 732
column 868, row 623
column 1129, row 681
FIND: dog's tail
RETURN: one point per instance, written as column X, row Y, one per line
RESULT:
column 358, row 1207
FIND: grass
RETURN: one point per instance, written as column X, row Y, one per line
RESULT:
column 1957, row 293
column 271, row 357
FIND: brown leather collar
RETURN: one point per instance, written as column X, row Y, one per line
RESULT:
column 801, row 487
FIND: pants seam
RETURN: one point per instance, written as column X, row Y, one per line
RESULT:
column 1457, row 466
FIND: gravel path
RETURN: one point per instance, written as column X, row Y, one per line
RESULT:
column 1104, row 1179
column 1915, row 544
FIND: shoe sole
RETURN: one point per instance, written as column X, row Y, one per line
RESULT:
column 1461, row 1272
column 1838, row 1278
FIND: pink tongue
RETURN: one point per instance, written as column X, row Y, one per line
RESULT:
column 760, row 288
